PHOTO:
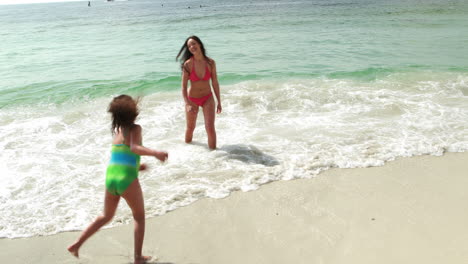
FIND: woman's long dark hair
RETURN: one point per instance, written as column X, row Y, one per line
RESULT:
column 124, row 110
column 186, row 54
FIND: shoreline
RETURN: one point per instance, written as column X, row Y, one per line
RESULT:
column 411, row 210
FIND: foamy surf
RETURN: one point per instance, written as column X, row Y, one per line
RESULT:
column 54, row 156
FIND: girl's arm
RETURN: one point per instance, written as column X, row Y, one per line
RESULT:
column 137, row 148
column 215, row 84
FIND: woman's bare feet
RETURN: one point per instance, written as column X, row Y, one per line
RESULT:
column 142, row 259
column 73, row 249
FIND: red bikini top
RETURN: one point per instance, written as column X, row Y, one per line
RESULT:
column 193, row 74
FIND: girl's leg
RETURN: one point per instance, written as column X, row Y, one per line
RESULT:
column 110, row 205
column 209, row 115
column 134, row 197
column 191, row 118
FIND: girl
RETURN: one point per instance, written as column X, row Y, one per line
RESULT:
column 195, row 63
column 122, row 174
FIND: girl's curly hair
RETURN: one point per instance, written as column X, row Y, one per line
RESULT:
column 124, row 110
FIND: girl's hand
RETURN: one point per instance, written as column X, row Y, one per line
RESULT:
column 142, row 167
column 219, row 109
column 161, row 155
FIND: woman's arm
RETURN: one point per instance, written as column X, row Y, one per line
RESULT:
column 215, row 84
column 189, row 106
column 185, row 78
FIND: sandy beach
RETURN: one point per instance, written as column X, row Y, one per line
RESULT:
column 412, row 210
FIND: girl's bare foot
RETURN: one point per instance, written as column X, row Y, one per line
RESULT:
column 73, row 249
column 142, row 259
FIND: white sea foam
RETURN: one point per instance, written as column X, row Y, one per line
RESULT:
column 54, row 157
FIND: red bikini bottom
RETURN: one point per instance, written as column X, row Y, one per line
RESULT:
column 200, row 101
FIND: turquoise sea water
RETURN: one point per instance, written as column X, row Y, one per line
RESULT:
column 306, row 86
column 61, row 51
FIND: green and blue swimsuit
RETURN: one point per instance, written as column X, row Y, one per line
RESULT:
column 122, row 170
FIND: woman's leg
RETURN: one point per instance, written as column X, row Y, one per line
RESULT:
column 110, row 205
column 191, row 118
column 134, row 197
column 209, row 115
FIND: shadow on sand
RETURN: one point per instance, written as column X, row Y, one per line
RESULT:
column 249, row 154
column 155, row 262
column 245, row 153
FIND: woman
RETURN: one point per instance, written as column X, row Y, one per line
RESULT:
column 199, row 69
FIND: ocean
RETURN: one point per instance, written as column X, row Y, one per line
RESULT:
column 305, row 85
